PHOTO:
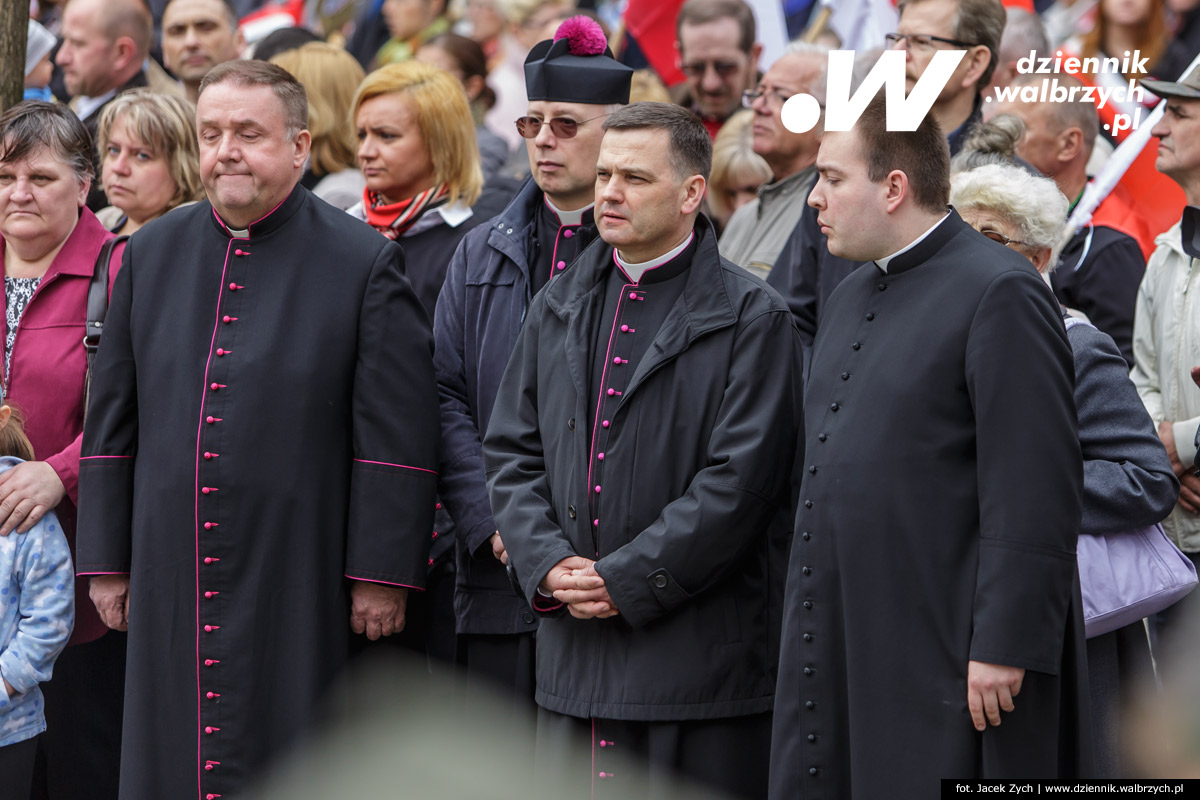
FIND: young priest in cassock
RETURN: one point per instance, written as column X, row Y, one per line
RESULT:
column 932, row 627
column 573, row 83
column 638, row 463
column 258, row 471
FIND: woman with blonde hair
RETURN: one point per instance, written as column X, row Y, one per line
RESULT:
column 330, row 77
column 149, row 158
column 737, row 171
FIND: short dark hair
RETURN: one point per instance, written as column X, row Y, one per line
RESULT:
column 33, row 124
column 690, row 144
column 231, row 14
column 249, row 72
column 978, row 22
column 923, row 155
column 699, row 12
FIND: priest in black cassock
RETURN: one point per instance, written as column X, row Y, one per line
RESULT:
column 258, row 461
column 932, row 627
column 638, row 462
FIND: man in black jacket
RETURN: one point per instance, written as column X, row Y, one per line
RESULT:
column 638, row 464
column 494, row 274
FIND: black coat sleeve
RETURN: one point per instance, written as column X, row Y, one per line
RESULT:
column 104, row 536
column 516, row 467
column 794, row 276
column 463, row 487
column 728, row 505
column 1020, row 380
column 1127, row 477
column 393, row 484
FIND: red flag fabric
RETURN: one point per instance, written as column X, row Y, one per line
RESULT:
column 652, row 24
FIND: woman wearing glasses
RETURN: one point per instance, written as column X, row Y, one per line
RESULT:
column 1127, row 478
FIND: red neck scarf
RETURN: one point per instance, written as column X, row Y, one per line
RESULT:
column 393, row 219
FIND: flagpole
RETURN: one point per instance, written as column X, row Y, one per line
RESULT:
column 819, row 23
column 1117, row 165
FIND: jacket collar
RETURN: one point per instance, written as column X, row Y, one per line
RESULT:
column 270, row 222
column 925, row 249
column 509, row 231
column 704, row 305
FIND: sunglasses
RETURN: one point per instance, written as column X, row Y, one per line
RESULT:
column 561, row 127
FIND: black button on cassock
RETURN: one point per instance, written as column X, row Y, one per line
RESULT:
column 882, row 286
column 845, row 376
column 806, row 536
column 808, row 604
column 810, row 705
column 822, row 437
column 806, row 570
column 808, row 637
column 808, row 671
column 812, row 771
column 870, row 317
column 834, row 408
column 571, row 423
column 660, row 581
column 808, row 503
column 527, row 617
column 812, row 737
column 571, row 512
column 812, row 470
column 856, row 346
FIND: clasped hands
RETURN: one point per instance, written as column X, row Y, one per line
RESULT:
column 574, row 581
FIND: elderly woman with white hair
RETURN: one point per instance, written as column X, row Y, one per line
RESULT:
column 1127, row 478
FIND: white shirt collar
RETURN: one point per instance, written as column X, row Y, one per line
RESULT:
column 882, row 263
column 569, row 217
column 636, row 271
column 453, row 216
column 86, row 106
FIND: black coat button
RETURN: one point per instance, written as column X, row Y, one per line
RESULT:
column 845, row 376
column 882, row 286
column 856, row 346
column 571, row 512
column 571, row 423
column 806, row 536
column 808, row 604
column 660, row 581
column 808, row 503
column 821, row 437
column 870, row 317
column 810, row 705
column 812, row 737
column 808, row 671
column 808, row 637
column 812, row 771
column 834, row 408
column 527, row 617
column 812, row 470
column 806, row 570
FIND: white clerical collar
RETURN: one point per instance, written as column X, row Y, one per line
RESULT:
column 636, row 271
column 85, row 106
column 569, row 217
column 234, row 233
column 882, row 263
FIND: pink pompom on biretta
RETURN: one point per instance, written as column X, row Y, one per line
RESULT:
column 584, row 36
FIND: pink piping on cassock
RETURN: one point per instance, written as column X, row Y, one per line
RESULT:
column 385, row 583
column 196, row 494
column 603, row 376
column 399, row 466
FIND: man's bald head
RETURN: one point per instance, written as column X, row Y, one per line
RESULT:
column 1060, row 131
column 105, row 43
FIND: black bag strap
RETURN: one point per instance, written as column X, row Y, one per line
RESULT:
column 97, row 299
column 97, row 309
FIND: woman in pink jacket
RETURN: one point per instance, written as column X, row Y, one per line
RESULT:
column 50, row 245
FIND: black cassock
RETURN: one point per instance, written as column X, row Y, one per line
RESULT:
column 263, row 426
column 937, row 523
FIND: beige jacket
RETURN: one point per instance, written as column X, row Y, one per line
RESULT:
column 1166, row 345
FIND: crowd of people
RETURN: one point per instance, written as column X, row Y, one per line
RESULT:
column 759, row 457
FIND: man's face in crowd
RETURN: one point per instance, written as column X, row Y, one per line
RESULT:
column 789, row 75
column 931, row 18
column 850, row 207
column 1178, row 135
column 642, row 205
column 248, row 164
column 197, row 37
column 87, row 54
column 717, row 70
column 565, row 169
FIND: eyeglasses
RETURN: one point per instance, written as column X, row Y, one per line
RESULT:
column 561, row 127
column 749, row 96
column 997, row 236
column 699, row 69
column 922, row 41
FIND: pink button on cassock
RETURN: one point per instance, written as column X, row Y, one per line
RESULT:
column 624, row 329
column 220, row 352
column 210, row 730
column 211, row 628
column 210, row 560
column 600, row 457
column 632, row 296
column 212, row 695
column 568, row 233
column 605, row 424
column 210, row 595
column 208, row 456
column 595, row 523
column 208, row 526
column 211, row 796
column 611, row 392
column 227, row 319
column 208, row 662
column 233, row 287
column 597, row 490
column 561, row 265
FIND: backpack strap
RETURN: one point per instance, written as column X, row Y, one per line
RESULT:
column 97, row 308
